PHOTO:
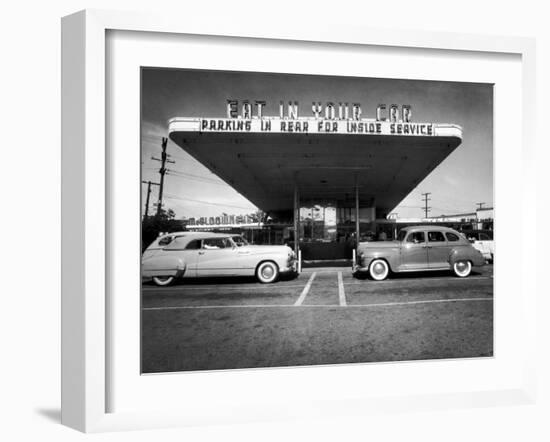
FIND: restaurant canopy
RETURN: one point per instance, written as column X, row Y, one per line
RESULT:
column 267, row 159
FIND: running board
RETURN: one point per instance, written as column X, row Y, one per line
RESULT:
column 434, row 269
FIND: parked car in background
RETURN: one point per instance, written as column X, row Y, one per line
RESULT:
column 483, row 241
column 418, row 248
column 199, row 254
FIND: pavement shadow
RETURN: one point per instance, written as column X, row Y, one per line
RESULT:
column 422, row 275
column 220, row 280
column 327, row 263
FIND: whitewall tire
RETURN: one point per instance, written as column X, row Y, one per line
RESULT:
column 163, row 281
column 462, row 268
column 379, row 270
column 267, row 272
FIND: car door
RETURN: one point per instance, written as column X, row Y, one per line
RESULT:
column 217, row 257
column 438, row 250
column 246, row 259
column 414, row 254
column 188, row 251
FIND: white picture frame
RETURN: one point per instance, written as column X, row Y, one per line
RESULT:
column 85, row 198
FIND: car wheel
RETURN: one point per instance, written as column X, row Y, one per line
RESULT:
column 462, row 268
column 379, row 269
column 163, row 281
column 267, row 272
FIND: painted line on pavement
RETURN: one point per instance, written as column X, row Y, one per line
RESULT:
column 341, row 292
column 385, row 304
column 218, row 287
column 305, row 291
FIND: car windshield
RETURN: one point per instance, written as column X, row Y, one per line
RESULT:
column 239, row 241
column 401, row 235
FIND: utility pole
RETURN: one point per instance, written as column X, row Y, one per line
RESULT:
column 163, row 160
column 149, row 184
column 426, row 199
column 480, row 206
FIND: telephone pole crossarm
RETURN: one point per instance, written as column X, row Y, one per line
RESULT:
column 426, row 208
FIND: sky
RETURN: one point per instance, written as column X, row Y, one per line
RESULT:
column 462, row 180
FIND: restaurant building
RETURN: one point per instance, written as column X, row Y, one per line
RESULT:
column 333, row 177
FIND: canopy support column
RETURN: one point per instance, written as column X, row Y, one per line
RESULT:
column 296, row 219
column 357, row 232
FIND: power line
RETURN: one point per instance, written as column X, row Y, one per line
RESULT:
column 207, row 202
column 195, row 177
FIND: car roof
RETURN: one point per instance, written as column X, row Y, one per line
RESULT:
column 477, row 231
column 197, row 235
column 428, row 227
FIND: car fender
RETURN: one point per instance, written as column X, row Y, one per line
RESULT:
column 367, row 256
column 163, row 265
column 466, row 253
column 252, row 256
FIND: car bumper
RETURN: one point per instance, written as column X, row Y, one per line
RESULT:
column 289, row 269
column 357, row 269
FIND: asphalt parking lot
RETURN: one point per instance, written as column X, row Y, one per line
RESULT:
column 324, row 316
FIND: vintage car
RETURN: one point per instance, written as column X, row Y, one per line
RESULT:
column 482, row 240
column 416, row 249
column 197, row 254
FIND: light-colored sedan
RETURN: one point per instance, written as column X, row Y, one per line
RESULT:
column 482, row 240
column 202, row 254
column 418, row 248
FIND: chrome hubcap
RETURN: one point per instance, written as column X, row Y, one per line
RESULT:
column 379, row 268
column 461, row 267
column 267, row 272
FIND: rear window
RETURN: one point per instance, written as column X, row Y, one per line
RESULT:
column 165, row 241
column 176, row 243
column 451, row 236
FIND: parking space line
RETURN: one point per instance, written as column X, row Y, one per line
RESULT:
column 341, row 293
column 217, row 287
column 427, row 301
column 384, row 304
column 393, row 281
column 305, row 291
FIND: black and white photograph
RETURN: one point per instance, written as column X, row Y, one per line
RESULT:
column 302, row 220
